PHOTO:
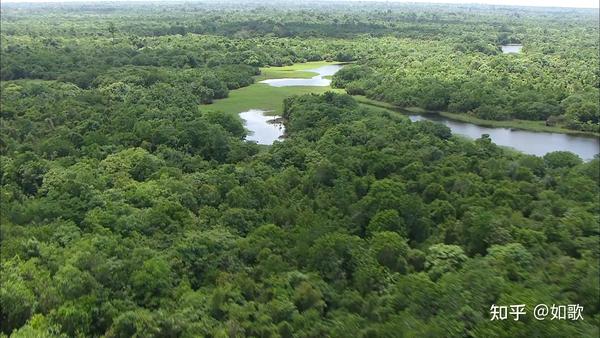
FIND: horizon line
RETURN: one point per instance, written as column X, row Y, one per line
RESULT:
column 439, row 2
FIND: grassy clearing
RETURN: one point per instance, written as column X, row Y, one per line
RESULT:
column 298, row 70
column 396, row 115
column 371, row 102
column 267, row 73
column 263, row 96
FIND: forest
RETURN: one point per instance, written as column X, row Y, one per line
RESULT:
column 131, row 207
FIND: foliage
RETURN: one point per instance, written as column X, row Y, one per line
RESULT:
column 131, row 207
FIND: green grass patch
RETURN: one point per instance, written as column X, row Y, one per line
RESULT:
column 265, row 97
column 283, row 74
column 261, row 96
column 365, row 100
column 298, row 70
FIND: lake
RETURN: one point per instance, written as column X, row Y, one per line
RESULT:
column 511, row 49
column 315, row 81
column 264, row 129
column 529, row 142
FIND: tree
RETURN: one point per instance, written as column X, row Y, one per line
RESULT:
column 561, row 159
column 151, row 281
column 18, row 304
column 112, row 29
column 442, row 258
column 390, row 250
column 306, row 297
column 387, row 220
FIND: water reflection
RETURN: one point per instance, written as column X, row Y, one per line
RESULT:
column 511, row 49
column 263, row 129
column 316, row 81
column 533, row 143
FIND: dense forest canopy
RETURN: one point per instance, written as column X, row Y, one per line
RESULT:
column 436, row 57
column 131, row 208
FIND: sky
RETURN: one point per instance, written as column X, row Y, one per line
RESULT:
column 546, row 3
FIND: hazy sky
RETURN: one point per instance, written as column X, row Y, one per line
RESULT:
column 547, row 3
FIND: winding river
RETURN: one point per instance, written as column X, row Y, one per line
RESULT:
column 533, row 143
column 265, row 131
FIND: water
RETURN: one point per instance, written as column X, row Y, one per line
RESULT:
column 267, row 129
column 510, row 49
column 316, row 81
column 263, row 129
column 533, row 143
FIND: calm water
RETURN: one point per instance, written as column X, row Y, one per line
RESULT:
column 508, row 49
column 263, row 130
column 528, row 142
column 316, row 81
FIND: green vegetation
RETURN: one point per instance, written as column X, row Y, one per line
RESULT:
column 538, row 126
column 261, row 96
column 297, row 70
column 554, row 81
column 132, row 206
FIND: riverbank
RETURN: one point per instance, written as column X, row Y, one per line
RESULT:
column 536, row 126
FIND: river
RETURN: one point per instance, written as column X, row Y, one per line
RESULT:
column 264, row 131
column 529, row 142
